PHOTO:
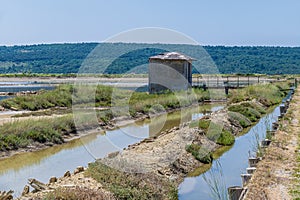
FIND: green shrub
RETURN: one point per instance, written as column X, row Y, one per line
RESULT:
column 204, row 124
column 252, row 114
column 215, row 132
column 105, row 115
column 200, row 153
column 225, row 138
column 19, row 134
column 61, row 96
column 243, row 121
column 266, row 94
column 255, row 106
column 87, row 95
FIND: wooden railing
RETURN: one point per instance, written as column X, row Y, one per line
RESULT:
column 232, row 82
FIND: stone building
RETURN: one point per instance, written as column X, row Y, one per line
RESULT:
column 170, row 71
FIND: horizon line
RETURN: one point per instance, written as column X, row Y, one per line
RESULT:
column 97, row 42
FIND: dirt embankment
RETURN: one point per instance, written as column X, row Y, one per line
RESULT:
column 161, row 159
column 275, row 177
column 166, row 155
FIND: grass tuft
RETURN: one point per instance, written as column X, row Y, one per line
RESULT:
column 132, row 186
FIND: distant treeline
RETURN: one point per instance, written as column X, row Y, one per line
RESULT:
column 121, row 58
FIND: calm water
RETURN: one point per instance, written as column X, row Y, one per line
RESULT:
column 55, row 161
column 21, row 86
column 233, row 163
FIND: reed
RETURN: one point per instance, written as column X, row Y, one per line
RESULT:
column 216, row 182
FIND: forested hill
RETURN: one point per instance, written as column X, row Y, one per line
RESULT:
column 67, row 58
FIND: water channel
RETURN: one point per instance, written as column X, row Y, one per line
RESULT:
column 227, row 169
column 55, row 161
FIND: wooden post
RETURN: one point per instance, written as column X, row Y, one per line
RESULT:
column 235, row 192
column 208, row 81
column 246, row 178
column 265, row 142
column 217, row 81
column 250, row 170
column 226, row 90
column 275, row 126
column 238, row 82
column 282, row 109
column 271, row 133
column 257, row 79
column 253, row 162
column 248, row 80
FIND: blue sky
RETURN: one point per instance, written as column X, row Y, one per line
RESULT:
column 210, row 22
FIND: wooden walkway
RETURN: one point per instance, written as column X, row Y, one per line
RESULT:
column 230, row 82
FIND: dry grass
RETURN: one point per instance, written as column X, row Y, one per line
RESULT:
column 77, row 193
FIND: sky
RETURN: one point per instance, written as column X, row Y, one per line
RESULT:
column 209, row 22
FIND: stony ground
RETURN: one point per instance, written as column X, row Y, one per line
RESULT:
column 165, row 155
column 76, row 181
column 275, row 177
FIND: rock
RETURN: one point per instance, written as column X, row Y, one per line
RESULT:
column 148, row 140
column 37, row 185
column 78, row 170
column 25, row 190
column 6, row 195
column 102, row 124
column 53, row 179
column 50, row 144
column 67, row 174
column 14, row 109
column 113, row 154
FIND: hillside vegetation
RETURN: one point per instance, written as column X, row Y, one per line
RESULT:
column 68, row 58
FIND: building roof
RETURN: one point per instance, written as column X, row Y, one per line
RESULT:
column 171, row 56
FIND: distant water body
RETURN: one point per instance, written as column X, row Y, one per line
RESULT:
column 21, row 86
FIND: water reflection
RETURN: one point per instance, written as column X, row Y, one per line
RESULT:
column 55, row 161
column 233, row 162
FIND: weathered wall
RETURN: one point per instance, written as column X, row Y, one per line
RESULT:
column 173, row 75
